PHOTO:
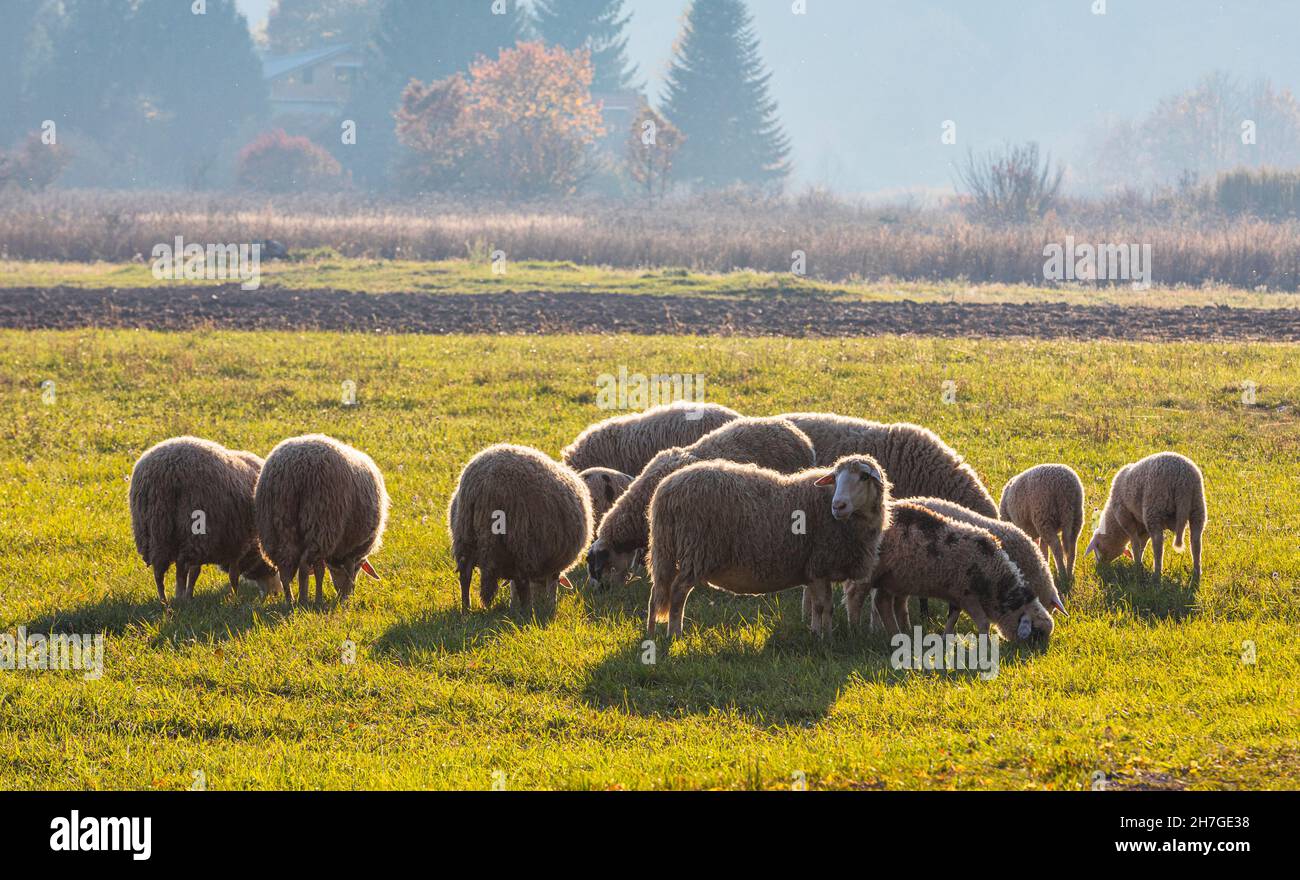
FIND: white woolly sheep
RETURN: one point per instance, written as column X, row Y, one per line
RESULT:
column 772, row 443
column 605, row 486
column 191, row 504
column 924, row 553
column 627, row 442
column 1046, row 502
column 517, row 515
column 749, row 530
column 1162, row 491
column 320, row 504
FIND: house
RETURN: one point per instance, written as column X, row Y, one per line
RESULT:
column 315, row 83
column 617, row 112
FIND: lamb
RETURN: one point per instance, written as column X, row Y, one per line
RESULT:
column 627, row 443
column 1162, row 491
column 191, row 504
column 772, row 443
column 750, row 530
column 925, row 553
column 320, row 504
column 605, row 486
column 517, row 515
column 1046, row 502
column 1019, row 547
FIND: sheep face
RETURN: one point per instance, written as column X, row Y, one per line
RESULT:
column 1031, row 622
column 1107, row 545
column 608, row 564
column 344, row 575
column 859, row 487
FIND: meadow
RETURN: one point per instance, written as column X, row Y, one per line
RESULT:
column 1146, row 685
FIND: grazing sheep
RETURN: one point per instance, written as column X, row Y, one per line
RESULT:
column 919, row 463
column 1046, row 502
column 192, row 504
column 605, row 486
column 771, row 443
column 924, row 553
column 1162, row 491
column 749, row 530
column 517, row 515
column 1019, row 547
column 626, row 443
column 320, row 503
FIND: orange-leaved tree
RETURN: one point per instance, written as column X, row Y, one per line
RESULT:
column 524, row 124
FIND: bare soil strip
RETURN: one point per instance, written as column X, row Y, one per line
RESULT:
column 228, row 307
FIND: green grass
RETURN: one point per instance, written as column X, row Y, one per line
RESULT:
column 316, row 271
column 1144, row 684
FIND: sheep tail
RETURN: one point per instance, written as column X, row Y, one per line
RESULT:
column 1183, row 514
column 663, row 573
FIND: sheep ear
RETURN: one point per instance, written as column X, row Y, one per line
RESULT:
column 825, row 481
column 1058, row 605
column 1128, row 554
column 565, row 583
column 1092, row 546
column 1025, row 627
column 369, row 569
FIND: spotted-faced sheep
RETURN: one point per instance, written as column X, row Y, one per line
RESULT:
column 1162, row 491
column 1019, row 547
column 320, row 504
column 1046, row 502
column 627, row 442
column 772, row 443
column 605, row 486
column 924, row 553
column 750, row 530
column 520, row 516
column 191, row 504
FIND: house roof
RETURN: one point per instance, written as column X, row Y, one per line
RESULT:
column 276, row 66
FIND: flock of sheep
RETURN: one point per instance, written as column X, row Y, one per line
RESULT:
column 701, row 494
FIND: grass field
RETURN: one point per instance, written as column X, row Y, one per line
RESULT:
column 322, row 270
column 1143, row 684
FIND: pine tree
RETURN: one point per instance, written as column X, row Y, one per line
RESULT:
column 595, row 25
column 717, row 94
column 299, row 25
column 418, row 39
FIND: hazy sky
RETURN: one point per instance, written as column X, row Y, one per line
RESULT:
column 864, row 86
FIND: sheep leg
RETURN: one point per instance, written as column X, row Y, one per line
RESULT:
column 901, row 617
column 319, row 574
column 1071, row 548
column 1195, row 530
column 234, row 580
column 954, row 612
column 1058, row 554
column 304, row 572
column 1157, row 551
column 521, row 596
column 884, row 606
column 466, row 577
column 807, row 604
column 981, row 620
column 874, row 623
column 820, row 594
column 192, row 580
column 286, row 570
column 159, row 579
column 677, row 610
column 855, row 594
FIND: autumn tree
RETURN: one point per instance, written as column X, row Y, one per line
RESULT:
column 523, row 124
column 652, row 144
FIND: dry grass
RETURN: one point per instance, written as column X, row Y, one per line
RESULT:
column 718, row 234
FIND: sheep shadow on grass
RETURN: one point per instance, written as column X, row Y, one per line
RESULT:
column 752, row 656
column 1131, row 587
column 210, row 616
column 452, row 631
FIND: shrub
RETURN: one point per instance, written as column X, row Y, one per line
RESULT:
column 1012, row 185
column 277, row 162
column 1264, row 193
column 33, row 166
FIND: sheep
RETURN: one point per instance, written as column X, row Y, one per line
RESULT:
column 191, row 504
column 320, row 504
column 1020, row 548
column 627, row 443
column 1162, row 491
column 751, row 530
column 517, row 515
column 1046, row 502
column 768, row 442
column 919, row 463
column 925, row 553
column 605, row 486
